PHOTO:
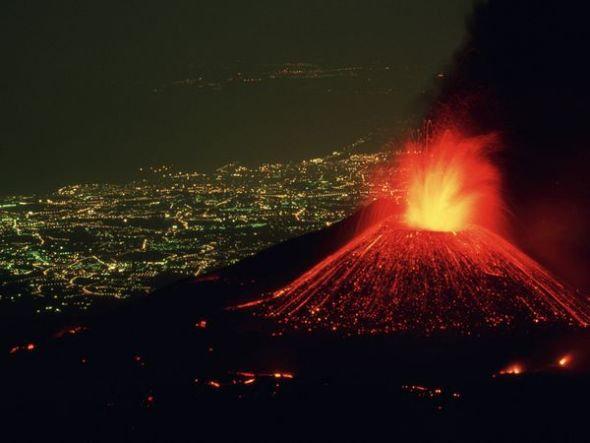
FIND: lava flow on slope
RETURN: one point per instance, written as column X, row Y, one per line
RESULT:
column 435, row 266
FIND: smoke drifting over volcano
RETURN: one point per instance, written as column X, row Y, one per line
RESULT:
column 522, row 72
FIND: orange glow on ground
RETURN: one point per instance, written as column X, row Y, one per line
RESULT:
column 70, row 331
column 282, row 375
column 28, row 347
column 201, row 324
column 564, row 361
column 450, row 183
column 514, row 369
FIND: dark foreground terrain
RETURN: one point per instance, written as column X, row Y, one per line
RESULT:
column 164, row 380
column 178, row 366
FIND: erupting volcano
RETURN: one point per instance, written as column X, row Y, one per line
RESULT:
column 436, row 265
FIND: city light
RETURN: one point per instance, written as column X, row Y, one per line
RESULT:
column 85, row 243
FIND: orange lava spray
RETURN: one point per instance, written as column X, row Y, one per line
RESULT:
column 451, row 183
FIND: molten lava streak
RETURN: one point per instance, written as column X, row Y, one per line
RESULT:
column 438, row 267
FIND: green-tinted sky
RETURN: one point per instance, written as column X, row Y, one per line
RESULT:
column 89, row 90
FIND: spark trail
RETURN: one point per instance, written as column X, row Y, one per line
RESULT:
column 395, row 279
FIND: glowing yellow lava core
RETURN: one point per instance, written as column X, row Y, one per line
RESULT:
column 435, row 202
column 450, row 184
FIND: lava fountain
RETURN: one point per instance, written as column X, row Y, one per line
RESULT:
column 437, row 265
column 450, row 184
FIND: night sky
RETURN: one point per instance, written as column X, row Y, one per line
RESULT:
column 89, row 89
